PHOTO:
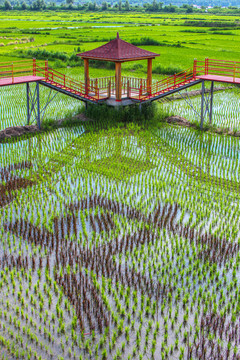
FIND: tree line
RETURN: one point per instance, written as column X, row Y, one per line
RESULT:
column 154, row 6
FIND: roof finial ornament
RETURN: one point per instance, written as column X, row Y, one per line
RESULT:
column 117, row 35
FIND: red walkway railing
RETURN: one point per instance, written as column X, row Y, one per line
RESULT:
column 67, row 83
column 224, row 68
column 18, row 69
column 227, row 71
column 165, row 85
column 103, row 88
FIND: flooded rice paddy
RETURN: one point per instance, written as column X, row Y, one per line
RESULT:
column 120, row 243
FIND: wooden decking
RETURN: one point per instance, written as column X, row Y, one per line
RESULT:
column 218, row 78
column 19, row 80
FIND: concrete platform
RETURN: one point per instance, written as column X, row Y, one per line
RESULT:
column 123, row 102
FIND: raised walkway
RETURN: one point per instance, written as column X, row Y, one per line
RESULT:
column 103, row 90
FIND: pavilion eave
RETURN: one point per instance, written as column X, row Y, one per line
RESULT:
column 118, row 60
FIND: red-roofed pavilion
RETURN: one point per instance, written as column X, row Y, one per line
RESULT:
column 117, row 51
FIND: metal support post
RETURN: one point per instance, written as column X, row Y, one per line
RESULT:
column 202, row 105
column 140, row 107
column 211, row 102
column 38, row 106
column 34, row 111
column 28, row 107
column 206, row 103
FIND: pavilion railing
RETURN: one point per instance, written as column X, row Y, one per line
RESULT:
column 107, row 85
column 102, row 82
column 131, row 83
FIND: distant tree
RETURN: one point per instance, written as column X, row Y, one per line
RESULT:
column 127, row 5
column 120, row 5
column 52, row 5
column 38, row 5
column 83, row 6
column 70, row 2
column 92, row 6
column 24, row 6
column 170, row 9
column 154, row 6
column 104, row 6
column 189, row 9
column 7, row 5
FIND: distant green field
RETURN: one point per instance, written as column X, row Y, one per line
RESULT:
column 67, row 32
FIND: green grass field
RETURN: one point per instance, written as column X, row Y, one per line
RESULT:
column 65, row 32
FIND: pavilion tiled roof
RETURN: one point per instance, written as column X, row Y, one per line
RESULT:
column 118, row 50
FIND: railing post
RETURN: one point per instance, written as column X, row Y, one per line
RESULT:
column 234, row 72
column 128, row 89
column 96, row 87
column 46, row 70
column 34, row 67
column 206, row 66
column 140, row 92
column 12, row 74
column 86, row 75
column 174, row 80
column 194, row 68
column 64, row 79
column 149, row 91
column 109, row 89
